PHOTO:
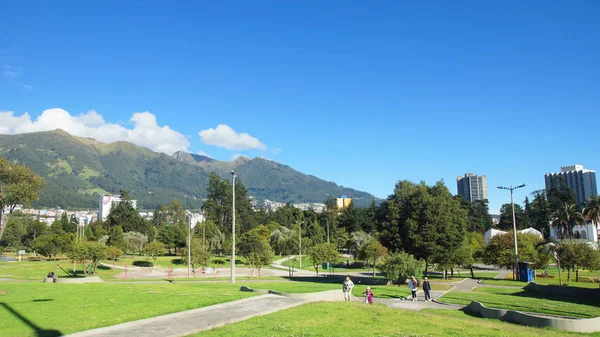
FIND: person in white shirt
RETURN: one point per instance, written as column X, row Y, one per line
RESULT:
column 413, row 286
column 347, row 288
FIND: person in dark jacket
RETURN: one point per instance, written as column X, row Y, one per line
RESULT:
column 426, row 289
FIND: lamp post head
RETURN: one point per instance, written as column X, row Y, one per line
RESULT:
column 232, row 172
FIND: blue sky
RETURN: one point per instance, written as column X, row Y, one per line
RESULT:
column 360, row 93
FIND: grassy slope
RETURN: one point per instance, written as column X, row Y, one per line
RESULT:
column 39, row 269
column 528, row 301
column 354, row 319
column 75, row 307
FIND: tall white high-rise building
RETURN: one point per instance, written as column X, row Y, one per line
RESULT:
column 472, row 187
column 581, row 181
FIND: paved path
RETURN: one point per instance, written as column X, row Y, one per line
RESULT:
column 192, row 321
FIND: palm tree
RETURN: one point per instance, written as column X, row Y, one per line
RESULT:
column 592, row 209
column 565, row 218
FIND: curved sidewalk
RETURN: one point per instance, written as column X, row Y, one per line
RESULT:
column 192, row 321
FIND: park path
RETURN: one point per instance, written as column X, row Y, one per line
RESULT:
column 192, row 321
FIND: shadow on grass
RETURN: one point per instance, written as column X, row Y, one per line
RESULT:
column 554, row 297
column 43, row 300
column 39, row 332
column 143, row 263
column 177, row 261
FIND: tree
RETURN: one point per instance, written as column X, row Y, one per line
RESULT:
column 50, row 244
column 564, row 218
column 116, row 238
column 401, row 266
column 96, row 252
column 15, row 234
column 321, row 253
column 506, row 217
column 426, row 221
column 134, row 241
column 79, row 254
column 124, row 215
column 154, row 249
column 539, row 213
column 592, row 209
column 285, row 242
column 254, row 246
column 18, row 185
column 559, row 193
column 114, row 253
column 500, row 250
column 218, row 203
column 575, row 255
column 478, row 214
column 200, row 256
column 372, row 251
column 213, row 236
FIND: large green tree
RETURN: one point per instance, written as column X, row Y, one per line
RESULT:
column 321, row 253
column 426, row 221
column 18, row 185
column 218, row 204
column 123, row 214
column 254, row 246
column 506, row 217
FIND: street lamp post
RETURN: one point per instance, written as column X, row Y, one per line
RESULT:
column 189, row 246
column 327, row 220
column 512, row 203
column 233, row 228
column 300, row 242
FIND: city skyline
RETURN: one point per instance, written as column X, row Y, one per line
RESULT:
column 359, row 94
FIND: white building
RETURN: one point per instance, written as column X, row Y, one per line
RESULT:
column 581, row 181
column 586, row 233
column 106, row 203
column 194, row 218
column 487, row 237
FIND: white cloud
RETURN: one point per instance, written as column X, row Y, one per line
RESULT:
column 224, row 136
column 145, row 132
column 202, row 153
column 9, row 71
column 276, row 151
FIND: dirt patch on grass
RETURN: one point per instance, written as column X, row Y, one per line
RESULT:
column 2, row 292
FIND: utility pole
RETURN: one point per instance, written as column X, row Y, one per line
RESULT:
column 511, row 189
column 189, row 245
column 300, row 242
column 233, row 228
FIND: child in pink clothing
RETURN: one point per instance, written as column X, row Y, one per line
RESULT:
column 369, row 296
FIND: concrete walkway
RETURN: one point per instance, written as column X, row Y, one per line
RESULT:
column 192, row 321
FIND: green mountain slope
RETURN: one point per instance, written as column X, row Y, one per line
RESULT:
column 78, row 170
column 267, row 179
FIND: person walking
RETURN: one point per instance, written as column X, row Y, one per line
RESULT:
column 426, row 289
column 369, row 296
column 347, row 288
column 413, row 286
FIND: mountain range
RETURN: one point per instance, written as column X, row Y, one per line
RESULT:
column 78, row 170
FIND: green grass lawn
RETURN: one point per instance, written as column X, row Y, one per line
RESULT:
column 542, row 281
column 307, row 265
column 75, row 307
column 37, row 270
column 355, row 319
column 528, row 301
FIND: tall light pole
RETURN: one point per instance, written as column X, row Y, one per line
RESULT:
column 511, row 189
column 327, row 220
column 233, row 228
column 189, row 245
column 300, row 242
